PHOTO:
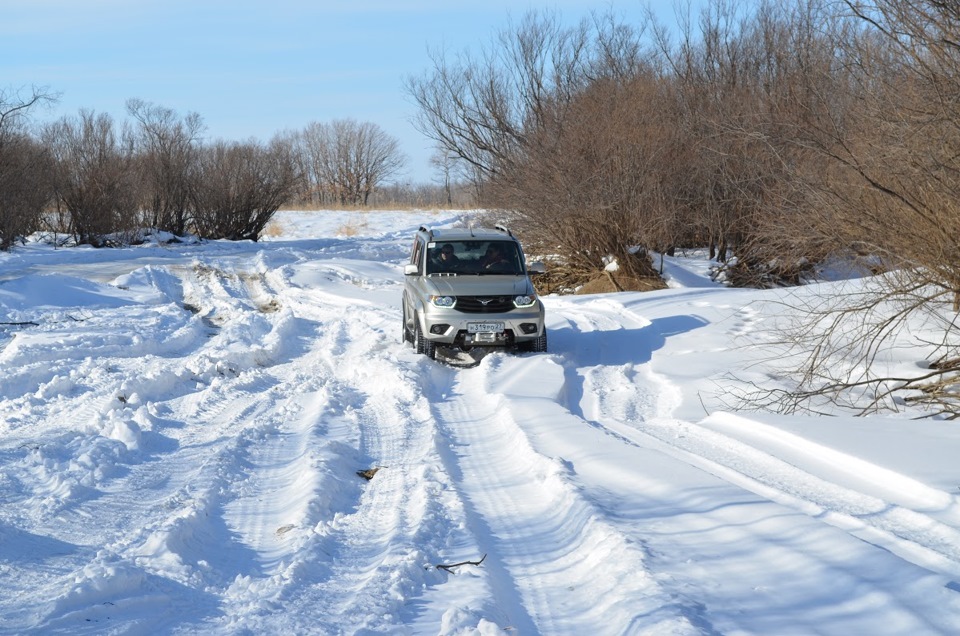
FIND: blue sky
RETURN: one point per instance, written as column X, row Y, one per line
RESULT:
column 253, row 69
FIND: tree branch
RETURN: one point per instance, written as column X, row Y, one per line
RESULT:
column 449, row 567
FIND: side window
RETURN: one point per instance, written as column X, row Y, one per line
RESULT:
column 516, row 257
column 413, row 250
column 416, row 253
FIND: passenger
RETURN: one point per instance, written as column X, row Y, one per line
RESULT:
column 494, row 258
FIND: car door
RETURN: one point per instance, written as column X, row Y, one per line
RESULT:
column 410, row 283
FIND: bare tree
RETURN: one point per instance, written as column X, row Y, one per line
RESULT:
column 168, row 146
column 312, row 156
column 480, row 109
column 95, row 178
column 347, row 161
column 445, row 164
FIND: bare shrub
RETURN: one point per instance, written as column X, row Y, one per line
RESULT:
column 746, row 83
column 239, row 187
column 886, row 186
column 837, row 348
column 24, row 168
column 95, row 178
column 589, row 188
column 24, row 187
column 535, row 121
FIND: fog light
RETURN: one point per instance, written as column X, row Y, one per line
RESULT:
column 528, row 328
column 438, row 330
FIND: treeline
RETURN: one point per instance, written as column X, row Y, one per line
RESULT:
column 777, row 134
column 105, row 182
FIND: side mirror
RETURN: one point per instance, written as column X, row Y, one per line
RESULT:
column 536, row 268
column 409, row 269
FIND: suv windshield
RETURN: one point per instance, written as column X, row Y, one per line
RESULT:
column 474, row 257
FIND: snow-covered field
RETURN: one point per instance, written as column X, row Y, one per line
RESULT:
column 181, row 429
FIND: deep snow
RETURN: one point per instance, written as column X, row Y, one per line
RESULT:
column 181, row 428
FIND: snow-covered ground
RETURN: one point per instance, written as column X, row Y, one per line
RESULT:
column 181, row 429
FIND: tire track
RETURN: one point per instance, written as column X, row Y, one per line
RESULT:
column 544, row 540
column 909, row 530
column 159, row 518
column 376, row 545
column 892, row 511
column 342, row 541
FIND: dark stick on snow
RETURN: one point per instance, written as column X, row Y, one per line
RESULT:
column 449, row 567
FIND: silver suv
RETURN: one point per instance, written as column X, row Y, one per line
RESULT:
column 467, row 288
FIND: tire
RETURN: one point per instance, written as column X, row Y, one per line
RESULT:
column 424, row 346
column 407, row 336
column 537, row 346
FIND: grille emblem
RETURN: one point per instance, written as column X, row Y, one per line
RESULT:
column 485, row 301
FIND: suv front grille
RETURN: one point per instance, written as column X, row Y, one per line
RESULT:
column 484, row 304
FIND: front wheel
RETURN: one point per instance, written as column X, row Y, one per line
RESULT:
column 537, row 346
column 424, row 346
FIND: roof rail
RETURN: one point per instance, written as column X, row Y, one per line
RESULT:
column 424, row 228
column 503, row 228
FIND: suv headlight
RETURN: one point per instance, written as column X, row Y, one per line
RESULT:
column 445, row 302
column 525, row 301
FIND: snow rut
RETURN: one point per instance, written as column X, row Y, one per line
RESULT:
column 282, row 491
column 160, row 421
column 786, row 500
column 894, row 511
column 544, row 539
column 899, row 514
column 364, row 564
column 282, row 474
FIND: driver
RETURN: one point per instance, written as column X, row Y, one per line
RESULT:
column 447, row 260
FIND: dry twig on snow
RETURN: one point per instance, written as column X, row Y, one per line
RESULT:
column 449, row 567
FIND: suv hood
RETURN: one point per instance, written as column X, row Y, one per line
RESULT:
column 468, row 285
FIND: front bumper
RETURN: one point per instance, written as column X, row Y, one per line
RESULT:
column 451, row 327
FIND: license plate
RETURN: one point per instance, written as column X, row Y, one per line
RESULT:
column 485, row 327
